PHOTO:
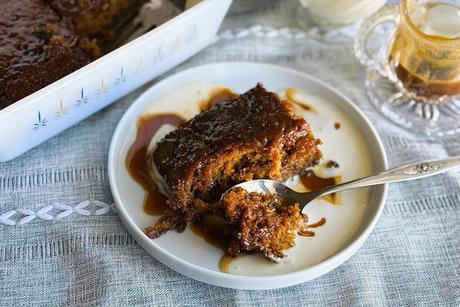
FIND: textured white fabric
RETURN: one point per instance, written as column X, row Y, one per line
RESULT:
column 66, row 252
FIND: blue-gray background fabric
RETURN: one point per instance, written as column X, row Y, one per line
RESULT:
column 411, row 258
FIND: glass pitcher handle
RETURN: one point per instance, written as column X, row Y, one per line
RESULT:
column 389, row 13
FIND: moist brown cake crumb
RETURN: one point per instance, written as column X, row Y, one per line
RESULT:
column 262, row 223
column 169, row 221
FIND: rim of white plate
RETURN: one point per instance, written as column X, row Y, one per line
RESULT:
column 248, row 282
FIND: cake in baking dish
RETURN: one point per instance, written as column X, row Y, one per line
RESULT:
column 42, row 41
column 95, row 17
column 254, row 135
column 36, row 48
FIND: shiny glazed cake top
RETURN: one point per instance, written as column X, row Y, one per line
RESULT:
column 256, row 118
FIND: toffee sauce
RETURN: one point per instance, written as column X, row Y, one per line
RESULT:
column 215, row 232
column 312, row 183
column 290, row 92
column 224, row 263
column 305, row 232
column 216, row 97
column 320, row 223
column 136, row 160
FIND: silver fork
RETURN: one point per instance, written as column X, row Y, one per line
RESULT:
column 402, row 173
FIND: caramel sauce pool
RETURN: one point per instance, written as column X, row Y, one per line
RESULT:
column 136, row 160
column 290, row 92
column 215, row 97
column 312, row 183
column 214, row 231
column 224, row 263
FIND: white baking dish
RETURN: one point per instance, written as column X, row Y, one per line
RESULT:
column 47, row 112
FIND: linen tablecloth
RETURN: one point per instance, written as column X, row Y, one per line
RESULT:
column 63, row 250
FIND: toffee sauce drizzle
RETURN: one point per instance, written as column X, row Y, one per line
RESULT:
column 308, row 233
column 216, row 97
column 290, row 92
column 312, row 183
column 215, row 232
column 136, row 160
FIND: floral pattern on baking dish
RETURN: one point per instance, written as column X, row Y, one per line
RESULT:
column 139, row 67
column 122, row 77
column 63, row 110
column 41, row 122
column 82, row 100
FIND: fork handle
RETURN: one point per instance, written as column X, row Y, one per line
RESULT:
column 402, row 173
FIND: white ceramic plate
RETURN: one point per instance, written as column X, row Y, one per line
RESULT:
column 356, row 147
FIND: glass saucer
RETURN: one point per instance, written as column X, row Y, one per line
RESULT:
column 434, row 120
column 431, row 118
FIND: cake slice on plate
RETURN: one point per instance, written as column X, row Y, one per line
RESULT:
column 254, row 135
